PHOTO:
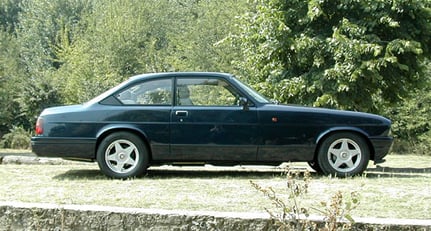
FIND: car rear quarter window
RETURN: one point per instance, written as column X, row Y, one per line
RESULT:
column 154, row 92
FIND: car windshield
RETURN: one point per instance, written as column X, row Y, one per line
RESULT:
column 258, row 97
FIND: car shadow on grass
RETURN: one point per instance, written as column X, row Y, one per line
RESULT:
column 178, row 172
column 240, row 173
column 80, row 174
column 209, row 174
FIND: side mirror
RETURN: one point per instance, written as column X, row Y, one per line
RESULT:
column 243, row 102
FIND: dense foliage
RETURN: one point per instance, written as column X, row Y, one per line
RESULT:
column 349, row 54
column 355, row 54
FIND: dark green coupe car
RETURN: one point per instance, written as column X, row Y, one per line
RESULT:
column 213, row 118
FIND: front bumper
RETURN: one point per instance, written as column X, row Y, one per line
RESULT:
column 382, row 146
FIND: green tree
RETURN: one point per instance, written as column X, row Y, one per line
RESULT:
column 355, row 54
column 9, row 10
column 43, row 24
column 9, row 70
column 199, row 45
column 129, row 37
column 9, row 64
column 120, row 39
column 411, row 125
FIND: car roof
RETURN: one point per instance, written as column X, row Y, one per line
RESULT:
column 178, row 74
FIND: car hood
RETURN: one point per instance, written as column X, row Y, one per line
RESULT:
column 325, row 114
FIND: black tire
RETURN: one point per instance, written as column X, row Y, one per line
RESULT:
column 122, row 155
column 315, row 166
column 343, row 154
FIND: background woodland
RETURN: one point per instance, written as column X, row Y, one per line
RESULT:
column 361, row 55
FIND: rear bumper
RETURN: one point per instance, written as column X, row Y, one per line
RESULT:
column 382, row 146
column 64, row 147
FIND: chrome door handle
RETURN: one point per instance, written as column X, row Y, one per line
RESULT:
column 182, row 113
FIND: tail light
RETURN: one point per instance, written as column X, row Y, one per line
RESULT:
column 39, row 126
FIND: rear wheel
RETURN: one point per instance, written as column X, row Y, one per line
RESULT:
column 343, row 154
column 122, row 155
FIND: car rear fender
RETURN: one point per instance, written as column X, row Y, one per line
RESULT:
column 112, row 128
column 354, row 130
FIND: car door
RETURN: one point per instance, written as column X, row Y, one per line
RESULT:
column 208, row 124
column 147, row 106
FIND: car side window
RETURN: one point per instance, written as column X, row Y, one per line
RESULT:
column 205, row 92
column 154, row 92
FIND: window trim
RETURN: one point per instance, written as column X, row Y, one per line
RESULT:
column 171, row 103
column 176, row 84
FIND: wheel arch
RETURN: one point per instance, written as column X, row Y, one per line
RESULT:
column 353, row 130
column 106, row 131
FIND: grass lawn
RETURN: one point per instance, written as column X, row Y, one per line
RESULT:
column 398, row 188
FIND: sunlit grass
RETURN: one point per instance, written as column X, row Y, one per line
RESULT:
column 399, row 188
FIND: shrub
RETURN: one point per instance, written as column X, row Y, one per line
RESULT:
column 411, row 127
column 17, row 138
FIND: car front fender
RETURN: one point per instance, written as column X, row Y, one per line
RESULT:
column 332, row 130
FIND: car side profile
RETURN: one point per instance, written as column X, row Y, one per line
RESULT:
column 212, row 118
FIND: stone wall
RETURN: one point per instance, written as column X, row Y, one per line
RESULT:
column 20, row 216
column 29, row 216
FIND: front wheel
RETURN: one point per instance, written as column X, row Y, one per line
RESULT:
column 122, row 155
column 343, row 154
